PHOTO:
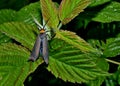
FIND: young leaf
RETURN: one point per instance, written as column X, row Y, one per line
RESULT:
column 49, row 12
column 68, row 61
column 13, row 65
column 22, row 33
column 71, row 8
column 109, row 13
column 76, row 41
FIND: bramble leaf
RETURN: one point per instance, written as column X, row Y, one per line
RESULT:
column 4, row 38
column 99, row 2
column 112, row 48
column 21, row 32
column 72, row 61
column 69, row 9
column 109, row 13
column 25, row 14
column 50, row 13
column 7, row 15
column 13, row 65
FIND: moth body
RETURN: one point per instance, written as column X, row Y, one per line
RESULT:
column 40, row 47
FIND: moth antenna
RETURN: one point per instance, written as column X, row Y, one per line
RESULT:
column 46, row 23
column 37, row 23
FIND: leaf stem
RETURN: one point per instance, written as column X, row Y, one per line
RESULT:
column 60, row 25
column 118, row 63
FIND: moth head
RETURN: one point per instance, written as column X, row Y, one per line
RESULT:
column 42, row 30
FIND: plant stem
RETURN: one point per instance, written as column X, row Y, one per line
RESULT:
column 118, row 63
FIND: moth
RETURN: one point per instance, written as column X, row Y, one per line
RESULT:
column 41, row 44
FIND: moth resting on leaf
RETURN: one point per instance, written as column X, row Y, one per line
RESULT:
column 41, row 44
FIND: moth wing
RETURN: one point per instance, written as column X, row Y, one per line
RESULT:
column 45, row 52
column 35, row 51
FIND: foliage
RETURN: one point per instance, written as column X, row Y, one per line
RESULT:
column 73, row 58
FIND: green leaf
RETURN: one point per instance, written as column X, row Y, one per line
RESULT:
column 97, row 82
column 109, row 13
column 109, row 46
column 68, row 61
column 99, row 44
column 112, row 48
column 69, row 9
column 25, row 14
column 4, row 38
column 7, row 15
column 49, row 12
column 102, row 63
column 13, row 65
column 76, row 41
column 106, row 38
column 118, row 75
column 21, row 32
column 98, row 2
column 114, row 79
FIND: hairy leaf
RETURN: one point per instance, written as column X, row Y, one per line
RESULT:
column 13, row 65
column 76, row 41
column 25, row 14
column 4, row 38
column 98, row 2
column 69, row 9
column 7, row 15
column 109, row 13
column 99, row 44
column 97, row 82
column 106, row 38
column 69, row 62
column 49, row 12
column 112, row 48
column 102, row 63
column 20, row 32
